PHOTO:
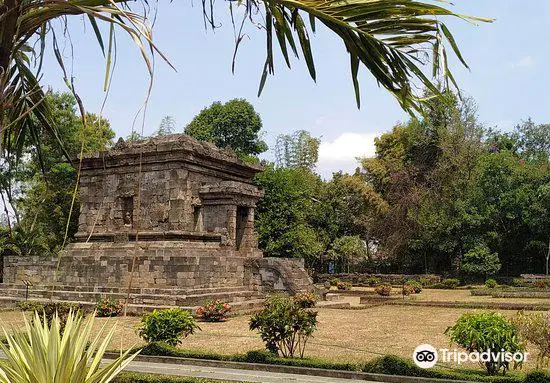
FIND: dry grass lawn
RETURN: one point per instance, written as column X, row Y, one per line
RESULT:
column 342, row 335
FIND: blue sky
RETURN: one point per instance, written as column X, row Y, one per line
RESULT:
column 508, row 79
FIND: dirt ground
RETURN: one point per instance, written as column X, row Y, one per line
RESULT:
column 342, row 335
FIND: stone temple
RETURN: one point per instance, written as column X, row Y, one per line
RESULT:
column 177, row 211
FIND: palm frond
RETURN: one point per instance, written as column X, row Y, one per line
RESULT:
column 392, row 39
column 24, row 113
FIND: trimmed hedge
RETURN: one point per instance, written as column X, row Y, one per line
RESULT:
column 388, row 365
column 133, row 377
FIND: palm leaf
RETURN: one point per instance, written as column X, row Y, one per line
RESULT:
column 392, row 39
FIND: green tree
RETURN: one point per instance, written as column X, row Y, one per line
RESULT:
column 234, row 124
column 479, row 261
column 46, row 197
column 166, row 127
column 348, row 250
column 285, row 213
column 297, row 150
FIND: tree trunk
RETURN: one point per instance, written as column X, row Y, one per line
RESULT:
column 7, row 214
column 548, row 256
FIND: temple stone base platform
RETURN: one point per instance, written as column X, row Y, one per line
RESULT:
column 166, row 274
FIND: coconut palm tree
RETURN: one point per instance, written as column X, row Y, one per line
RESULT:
column 392, row 39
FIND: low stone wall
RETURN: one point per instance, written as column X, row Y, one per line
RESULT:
column 533, row 278
column 358, row 279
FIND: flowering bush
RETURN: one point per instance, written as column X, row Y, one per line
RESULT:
column 108, row 308
column 417, row 287
column 344, row 286
column 305, row 299
column 383, row 290
column 214, row 311
column 284, row 326
column 407, row 289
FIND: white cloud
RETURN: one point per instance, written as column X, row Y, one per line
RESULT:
column 342, row 152
column 524, row 62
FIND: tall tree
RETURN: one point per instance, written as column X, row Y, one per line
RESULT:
column 234, row 124
column 166, row 127
column 47, row 188
column 297, row 150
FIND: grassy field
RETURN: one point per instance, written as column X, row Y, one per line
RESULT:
column 342, row 335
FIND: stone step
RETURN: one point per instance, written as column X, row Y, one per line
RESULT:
column 237, row 308
column 165, row 291
column 93, row 297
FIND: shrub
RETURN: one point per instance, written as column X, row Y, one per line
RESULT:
column 169, row 326
column 62, row 310
column 537, row 377
column 535, row 328
column 334, row 281
column 517, row 282
column 417, row 287
column 540, row 284
column 451, row 283
column 305, row 299
column 383, row 290
column 344, row 286
column 214, row 311
column 284, row 326
column 108, row 308
column 373, row 281
column 479, row 332
column 30, row 306
column 407, row 290
column 491, row 283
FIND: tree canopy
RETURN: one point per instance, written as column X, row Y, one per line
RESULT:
column 234, row 124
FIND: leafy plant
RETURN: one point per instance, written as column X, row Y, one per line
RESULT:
column 214, row 311
column 334, row 281
column 305, row 299
column 407, row 290
column 517, row 282
column 30, row 306
column 384, row 290
column 170, row 326
column 61, row 310
column 451, row 283
column 540, row 284
column 45, row 353
column 373, row 281
column 108, row 307
column 417, row 287
column 535, row 328
column 481, row 332
column 284, row 326
column 491, row 283
column 346, row 286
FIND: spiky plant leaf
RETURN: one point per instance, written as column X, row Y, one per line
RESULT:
column 45, row 354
